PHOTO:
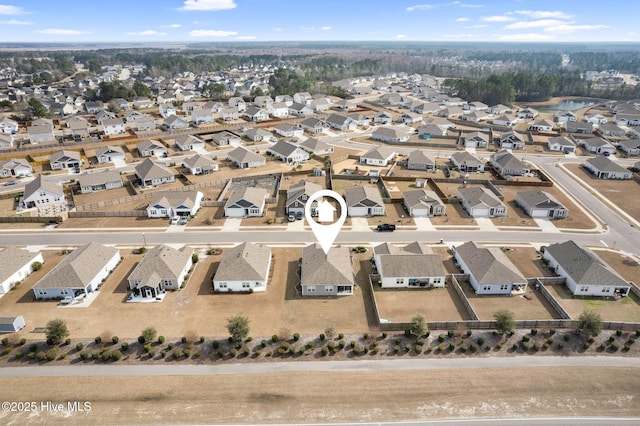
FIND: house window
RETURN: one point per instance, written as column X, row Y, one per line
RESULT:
column 246, row 285
column 328, row 288
column 486, row 288
column 254, row 211
column 311, row 289
column 504, row 287
column 259, row 283
column 606, row 289
column 584, row 288
column 437, row 280
column 222, row 285
column 400, row 281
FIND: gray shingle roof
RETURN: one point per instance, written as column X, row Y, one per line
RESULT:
column 247, row 196
column 414, row 265
column 464, row 157
column 243, row 155
column 160, row 262
column 313, row 144
column 175, row 198
column 583, row 265
column 150, row 170
column 246, row 261
column 283, row 148
column 479, row 196
column 297, row 190
column 99, row 178
column 604, row 164
column 539, row 199
column 489, row 265
column 199, row 161
column 332, row 269
column 419, row 197
column 40, row 183
column 507, row 160
column 108, row 149
column 13, row 259
column 79, row 267
column 419, row 157
column 64, row 155
column 378, row 153
column 362, row 195
column 146, row 144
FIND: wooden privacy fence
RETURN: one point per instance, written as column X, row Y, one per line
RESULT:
column 522, row 324
column 89, row 214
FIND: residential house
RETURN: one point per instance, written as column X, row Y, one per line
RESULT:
column 46, row 196
column 341, row 122
column 345, row 105
column 451, row 112
column 316, row 147
column 320, row 105
column 256, row 114
column 418, row 160
column 174, row 203
column 297, row 196
column 480, row 202
column 94, row 107
column 596, row 119
column 474, row 116
column 289, row 130
column 200, row 165
column 454, row 101
column 286, row 99
column 15, row 167
column 173, row 122
column 382, row 118
column 410, row 118
column 6, row 141
column 408, row 270
column 80, row 272
column 40, row 133
column 364, row 201
column 99, row 181
column 225, row 138
column 131, row 116
column 507, row 164
column 630, row 146
column 189, row 143
column 428, row 131
column 245, row 202
column 377, row 156
column 527, row 113
column 511, row 140
column 245, row 159
column 498, row 109
column 300, row 109
column 113, row 126
column 579, row 127
column 603, row 168
column 423, row 203
column 541, row 204
column 302, row 97
column 144, row 124
column 598, row 146
column 202, row 116
column 149, row 148
column 314, row 126
column 109, row 154
column 476, row 106
column 142, row 102
column 8, row 126
column 490, row 270
column 152, row 174
column 66, row 160
column 586, row 274
column 476, row 140
column 328, row 274
column 16, row 265
column 278, row 109
column 611, row 129
column 543, row 125
column 263, row 101
column 105, row 115
column 505, row 120
column 288, row 152
column 561, row 143
column 427, row 108
column 390, row 134
column 245, row 268
column 166, row 110
column 466, row 162
column 161, row 269
column 565, row 116
column 257, row 134
column 229, row 114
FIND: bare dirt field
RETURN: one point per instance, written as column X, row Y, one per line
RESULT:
column 626, row 309
column 438, row 304
column 447, row 259
column 455, row 216
column 303, row 397
column 616, row 191
column 94, row 197
column 534, row 306
column 528, row 262
column 395, row 213
column 114, row 222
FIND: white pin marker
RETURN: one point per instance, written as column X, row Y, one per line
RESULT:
column 325, row 234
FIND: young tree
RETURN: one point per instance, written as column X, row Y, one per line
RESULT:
column 37, row 108
column 149, row 334
column 589, row 323
column 505, row 322
column 238, row 327
column 418, row 326
column 56, row 331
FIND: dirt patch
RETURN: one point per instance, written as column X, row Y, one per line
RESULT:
column 437, row 304
column 395, row 213
column 626, row 309
column 626, row 266
column 114, row 222
column 529, row 262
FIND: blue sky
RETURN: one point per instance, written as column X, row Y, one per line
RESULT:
column 281, row 20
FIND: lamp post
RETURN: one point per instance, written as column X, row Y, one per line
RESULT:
column 144, row 239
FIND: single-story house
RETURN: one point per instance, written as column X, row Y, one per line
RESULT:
column 542, row 125
column 565, row 116
column 245, row 159
column 256, row 114
column 561, row 143
column 245, row 202
column 630, row 146
column 99, row 181
column 297, row 196
column 174, row 203
column 316, row 147
column 476, row 140
column 427, row 131
column 541, row 204
column 382, row 118
column 244, row 267
column 148, row 148
column 6, row 141
column 257, row 134
column 16, row 265
column 409, row 270
column 604, row 168
column 66, row 160
column 80, row 272
column 15, row 167
column 498, row 109
column 225, row 138
column 314, row 125
column 578, row 127
column 289, row 130
column 326, row 275
column 189, row 143
column 152, row 174
column 507, row 164
column 511, row 140
column 423, row 203
column 109, row 154
column 490, row 270
column 145, row 123
column 611, row 129
column 527, row 113
column 409, row 118
column 41, row 193
column 39, row 132
column 585, row 272
column 300, row 109
column 364, row 201
column 200, row 165
column 391, row 134
column 418, row 160
column 480, row 202
column 505, row 120
column 466, row 162
column 162, row 268
column 341, row 122
column 598, row 146
column 377, row 156
column 173, row 122
column 596, row 119
column 288, row 152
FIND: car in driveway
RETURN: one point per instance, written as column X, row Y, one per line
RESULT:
column 386, row 227
column 10, row 182
column 175, row 220
column 291, row 217
column 183, row 220
column 299, row 215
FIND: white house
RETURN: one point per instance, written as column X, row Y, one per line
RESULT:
column 200, row 165
column 278, row 109
column 289, row 130
column 15, row 167
column 586, row 273
column 511, row 140
column 66, row 160
column 16, row 265
column 152, row 174
column 225, row 138
column 364, row 201
column 202, row 116
column 391, row 134
column 476, row 140
column 113, row 126
column 174, row 203
column 245, row 202
column 408, row 269
column 316, row 147
column 507, row 164
column 466, row 162
column 243, row 268
column 245, row 159
column 480, row 202
column 323, row 275
column 46, row 196
column 109, row 154
column 162, row 268
column 505, row 120
column 189, row 143
column 527, row 113
column 8, row 126
column 149, row 148
column 542, row 125
column 561, row 143
column 288, row 152
column 423, row 203
column 603, row 168
column 598, row 146
column 541, row 204
column 99, row 181
column 377, row 156
column 314, row 125
column 297, row 196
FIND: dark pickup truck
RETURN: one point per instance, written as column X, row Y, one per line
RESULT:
column 386, row 227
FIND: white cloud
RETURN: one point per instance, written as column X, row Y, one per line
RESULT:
column 543, row 14
column 327, row 28
column 569, row 28
column 433, row 6
column 208, row 5
column 420, row 7
column 246, row 38
column 174, row 26
column 400, row 37
column 462, row 19
column 16, row 22
column 526, row 37
column 497, row 18
column 473, row 6
column 60, row 31
column 478, row 26
column 278, row 29
column 6, row 9
column 147, row 33
column 212, row 33
column 535, row 24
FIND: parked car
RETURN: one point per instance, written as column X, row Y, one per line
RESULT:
column 291, row 217
column 10, row 182
column 183, row 220
column 386, row 227
column 299, row 215
column 175, row 220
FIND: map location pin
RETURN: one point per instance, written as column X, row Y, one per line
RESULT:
column 325, row 234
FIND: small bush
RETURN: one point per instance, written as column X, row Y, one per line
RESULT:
column 141, row 340
column 115, row 340
column 442, row 337
column 534, row 331
column 233, row 352
column 215, row 344
column 183, row 339
column 163, row 353
column 365, row 336
column 566, row 337
column 352, row 344
column 22, row 341
column 469, row 333
column 281, row 350
column 220, row 353
column 514, row 346
column 105, row 355
column 451, row 333
column 67, row 342
column 480, row 341
column 258, row 352
column 473, row 347
column 552, row 331
column 198, row 353
column 33, row 347
column 396, row 349
column 19, row 354
column 296, row 337
column 407, row 347
column 322, row 337
column 310, row 344
column 177, row 353
column 274, row 338
column 546, row 345
column 550, row 340
column 124, row 347
column 341, row 335
column 615, row 346
column 463, row 348
column 418, row 349
column 170, row 346
column 499, row 346
column 325, row 350
column 84, row 355
column 41, row 356
column 525, row 338
column 342, row 344
column 407, row 333
column 384, row 335
column 451, row 346
column 79, row 346
column 536, row 346
column 638, row 333
column 591, row 340
column 98, row 340
column 359, row 349
column 398, row 340
column 420, row 342
column 375, row 350
column 202, row 339
column 585, row 345
column 441, row 348
column 160, row 339
column 187, row 353
column 618, row 332
column 31, row 355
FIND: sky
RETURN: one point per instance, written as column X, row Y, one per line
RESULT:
column 331, row 20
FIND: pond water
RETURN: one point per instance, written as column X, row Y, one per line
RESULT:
column 564, row 106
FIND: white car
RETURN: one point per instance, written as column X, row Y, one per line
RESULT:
column 175, row 220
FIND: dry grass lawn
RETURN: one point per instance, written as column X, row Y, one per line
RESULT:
column 438, row 304
column 626, row 309
column 114, row 222
column 628, row 268
column 529, row 262
column 303, row 397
